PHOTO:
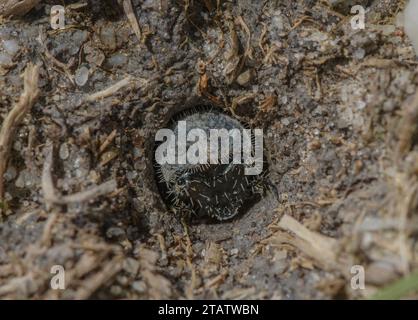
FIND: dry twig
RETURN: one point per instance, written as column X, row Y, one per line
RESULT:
column 51, row 196
column 408, row 127
column 90, row 285
column 56, row 64
column 130, row 14
column 15, row 117
column 110, row 91
column 321, row 249
column 107, row 141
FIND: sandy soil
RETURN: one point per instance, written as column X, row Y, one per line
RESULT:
column 339, row 113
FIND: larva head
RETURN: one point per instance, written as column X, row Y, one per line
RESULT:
column 217, row 190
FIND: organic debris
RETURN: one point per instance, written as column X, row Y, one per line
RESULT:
column 14, row 118
column 337, row 105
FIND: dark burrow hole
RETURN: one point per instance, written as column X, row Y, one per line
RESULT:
column 206, row 193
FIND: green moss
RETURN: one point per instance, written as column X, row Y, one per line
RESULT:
column 399, row 289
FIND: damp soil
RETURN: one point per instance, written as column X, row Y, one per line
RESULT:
column 328, row 97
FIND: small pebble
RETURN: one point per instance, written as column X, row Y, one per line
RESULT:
column 10, row 174
column 11, row 47
column 108, row 37
column 115, row 232
column 64, row 151
column 411, row 23
column 5, row 59
column 359, row 54
column 17, row 146
column 116, row 291
column 117, row 60
column 139, row 286
column 25, row 179
column 285, row 121
column 131, row 266
column 244, row 78
column 81, row 76
column 234, row 251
